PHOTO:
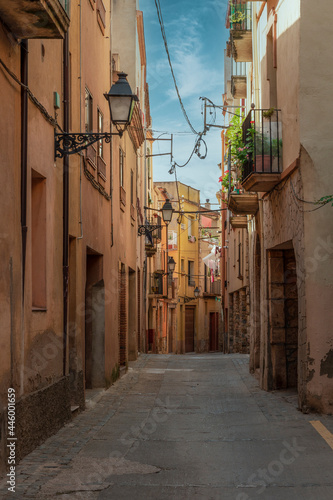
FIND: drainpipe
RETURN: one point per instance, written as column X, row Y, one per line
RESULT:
column 65, row 199
column 80, row 118
column 24, row 171
column 24, row 153
column 111, row 130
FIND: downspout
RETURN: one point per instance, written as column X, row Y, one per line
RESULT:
column 65, row 199
column 111, row 129
column 145, row 261
column 24, row 153
column 80, row 118
column 24, row 171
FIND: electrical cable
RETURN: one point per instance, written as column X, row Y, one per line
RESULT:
column 160, row 19
column 199, row 140
column 33, row 99
column 297, row 199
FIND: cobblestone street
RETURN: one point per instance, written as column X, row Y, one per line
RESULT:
column 183, row 427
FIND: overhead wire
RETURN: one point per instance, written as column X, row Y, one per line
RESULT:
column 160, row 19
column 199, row 139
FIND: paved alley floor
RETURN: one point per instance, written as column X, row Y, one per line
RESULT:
column 185, row 427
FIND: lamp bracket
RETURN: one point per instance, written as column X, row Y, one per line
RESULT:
column 69, row 144
column 147, row 229
column 186, row 299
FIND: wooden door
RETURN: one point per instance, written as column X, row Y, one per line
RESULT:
column 189, row 328
column 213, row 331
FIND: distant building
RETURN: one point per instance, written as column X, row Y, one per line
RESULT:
column 193, row 300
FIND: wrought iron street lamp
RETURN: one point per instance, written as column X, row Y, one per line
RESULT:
column 167, row 211
column 196, row 292
column 148, row 228
column 121, row 103
column 171, row 265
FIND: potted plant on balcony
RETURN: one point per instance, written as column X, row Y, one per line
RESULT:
column 225, row 182
column 237, row 19
column 241, row 152
column 265, row 150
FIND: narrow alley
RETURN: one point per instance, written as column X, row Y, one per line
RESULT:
column 184, row 427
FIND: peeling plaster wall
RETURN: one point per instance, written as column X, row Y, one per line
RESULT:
column 316, row 108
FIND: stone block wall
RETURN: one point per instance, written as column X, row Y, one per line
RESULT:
column 238, row 335
column 41, row 414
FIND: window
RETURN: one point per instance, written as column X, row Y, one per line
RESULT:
column 190, row 273
column 88, row 116
column 121, row 167
column 38, row 240
column 149, row 170
column 100, row 131
column 190, row 222
column 240, row 261
column 207, row 275
column 182, row 266
column 132, row 187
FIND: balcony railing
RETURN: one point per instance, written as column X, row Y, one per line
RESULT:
column 262, row 132
column 239, row 16
column 37, row 19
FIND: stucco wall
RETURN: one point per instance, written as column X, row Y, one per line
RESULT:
column 316, row 76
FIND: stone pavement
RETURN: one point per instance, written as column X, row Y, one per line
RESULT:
column 183, row 427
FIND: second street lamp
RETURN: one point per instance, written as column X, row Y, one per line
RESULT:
column 171, row 265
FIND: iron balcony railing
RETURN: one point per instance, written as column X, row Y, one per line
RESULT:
column 239, row 16
column 262, row 135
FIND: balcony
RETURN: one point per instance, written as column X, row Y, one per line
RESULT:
column 243, row 204
column 212, row 289
column 239, row 222
column 239, row 21
column 37, row 18
column 150, row 249
column 156, row 284
column 262, row 171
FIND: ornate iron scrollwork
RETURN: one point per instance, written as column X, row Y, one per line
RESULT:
column 68, row 144
column 147, row 229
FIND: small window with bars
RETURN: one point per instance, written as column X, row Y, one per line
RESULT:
column 88, row 115
column 190, row 273
column 121, row 168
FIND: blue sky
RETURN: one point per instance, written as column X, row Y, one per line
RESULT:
column 196, row 37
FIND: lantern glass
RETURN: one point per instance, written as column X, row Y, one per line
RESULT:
column 167, row 211
column 120, row 108
column 121, row 101
column 172, row 264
